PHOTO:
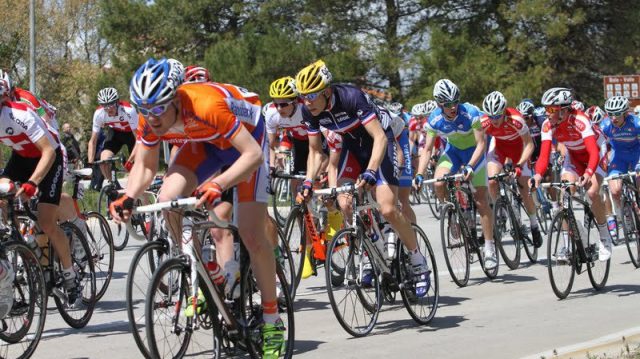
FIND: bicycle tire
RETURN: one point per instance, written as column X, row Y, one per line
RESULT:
column 281, row 213
column 103, row 201
column 597, row 270
column 506, row 224
column 456, row 251
column 26, row 319
column 101, row 243
column 631, row 229
column 344, row 251
column 286, row 262
column 296, row 237
column 422, row 310
column 85, row 270
column 143, row 265
column 555, row 243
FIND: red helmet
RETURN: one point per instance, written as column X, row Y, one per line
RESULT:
column 196, row 73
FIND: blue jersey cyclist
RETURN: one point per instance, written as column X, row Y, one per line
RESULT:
column 622, row 129
column 460, row 125
column 368, row 148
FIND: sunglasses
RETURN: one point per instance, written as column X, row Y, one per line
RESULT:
column 552, row 109
column 111, row 105
column 283, row 104
column 312, row 96
column 156, row 111
column 449, row 104
column 616, row 114
column 496, row 117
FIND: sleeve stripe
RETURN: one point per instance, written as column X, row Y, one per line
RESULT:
column 233, row 130
column 369, row 118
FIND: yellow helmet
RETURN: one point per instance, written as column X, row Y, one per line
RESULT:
column 284, row 87
column 313, row 78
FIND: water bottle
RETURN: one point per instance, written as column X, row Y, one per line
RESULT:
column 390, row 240
column 187, row 230
column 232, row 277
column 612, row 225
column 215, row 271
column 583, row 234
column 33, row 244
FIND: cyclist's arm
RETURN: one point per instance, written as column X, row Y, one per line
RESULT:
column 379, row 144
column 527, row 151
column 481, row 144
column 91, row 147
column 594, row 154
column 425, row 153
column 543, row 158
column 46, row 160
column 132, row 155
column 143, row 171
column 332, row 168
column 272, row 148
column 315, row 156
column 251, row 158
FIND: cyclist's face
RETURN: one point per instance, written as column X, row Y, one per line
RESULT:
column 317, row 104
column 161, row 124
column 285, row 107
column 112, row 109
column 450, row 109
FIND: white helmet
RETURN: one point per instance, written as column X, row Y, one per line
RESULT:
column 418, row 109
column 616, row 105
column 577, row 105
column 597, row 115
column 557, row 96
column 446, row 91
column 108, row 95
column 526, row 108
column 395, row 108
column 430, row 106
column 177, row 70
column 5, row 83
column 494, row 104
column 155, row 82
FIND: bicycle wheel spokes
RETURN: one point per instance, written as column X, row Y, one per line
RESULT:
column 356, row 300
column 560, row 256
column 422, row 309
column 295, row 235
column 456, row 250
column 25, row 320
column 283, row 200
column 598, row 270
column 101, row 243
column 507, row 234
column 431, row 198
column 631, row 231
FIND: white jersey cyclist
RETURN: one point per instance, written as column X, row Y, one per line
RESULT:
column 126, row 119
column 21, row 127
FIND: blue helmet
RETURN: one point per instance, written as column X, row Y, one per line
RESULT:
column 155, row 82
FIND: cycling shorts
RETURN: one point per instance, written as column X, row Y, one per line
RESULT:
column 406, row 172
column 622, row 162
column 355, row 155
column 499, row 157
column 576, row 163
column 454, row 159
column 119, row 139
column 19, row 169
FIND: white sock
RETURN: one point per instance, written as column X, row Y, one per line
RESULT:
column 604, row 232
column 533, row 220
column 416, row 256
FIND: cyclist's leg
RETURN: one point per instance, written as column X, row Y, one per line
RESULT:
column 447, row 163
column 348, row 170
column 494, row 166
column 404, row 191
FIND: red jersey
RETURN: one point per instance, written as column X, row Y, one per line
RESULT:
column 510, row 132
column 21, row 128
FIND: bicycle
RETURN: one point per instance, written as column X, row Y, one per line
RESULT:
column 510, row 232
column 234, row 322
column 570, row 245
column 630, row 200
column 283, row 200
column 367, row 272
column 22, row 327
column 429, row 192
column 458, row 231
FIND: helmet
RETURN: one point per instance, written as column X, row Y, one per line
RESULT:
column 284, row 87
column 418, row 109
column 494, row 104
column 616, row 104
column 598, row 115
column 526, row 108
column 5, row 83
column 108, row 95
column 446, row 91
column 195, row 73
column 540, row 113
column 177, row 70
column 577, row 105
column 430, row 106
column 557, row 96
column 313, row 78
column 396, row 108
column 153, row 83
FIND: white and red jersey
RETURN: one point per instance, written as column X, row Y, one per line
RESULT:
column 21, row 128
column 510, row 132
column 577, row 135
column 414, row 124
column 126, row 120
column 334, row 140
column 293, row 124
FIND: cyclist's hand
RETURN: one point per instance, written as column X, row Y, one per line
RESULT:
column 305, row 191
column 417, row 181
column 368, row 179
column 604, row 164
column 27, row 191
column 121, row 208
column 534, row 182
column 517, row 170
column 272, row 171
column 468, row 172
column 208, row 193
column 128, row 166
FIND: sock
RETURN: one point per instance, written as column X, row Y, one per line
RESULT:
column 604, row 232
column 554, row 205
column 68, row 273
column 270, row 312
column 533, row 220
column 489, row 243
column 565, row 237
column 416, row 256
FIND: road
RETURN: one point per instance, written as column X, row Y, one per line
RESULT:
column 515, row 315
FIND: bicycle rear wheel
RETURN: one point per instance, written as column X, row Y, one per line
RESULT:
column 296, row 237
column 285, row 259
column 560, row 267
column 456, row 249
column 598, row 270
column 78, row 314
column 421, row 309
column 283, row 200
column 100, row 241
column 631, row 232
column 25, row 321
column 356, row 300
column 171, row 332
column 507, row 233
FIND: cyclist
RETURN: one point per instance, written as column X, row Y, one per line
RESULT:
column 534, row 123
column 195, row 73
column 399, row 127
column 221, row 125
column 622, row 129
column 37, row 162
column 572, row 128
column 348, row 111
column 460, row 125
column 119, row 118
column 510, row 140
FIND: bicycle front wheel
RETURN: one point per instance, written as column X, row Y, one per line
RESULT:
column 507, row 233
column 25, row 321
column 631, row 226
column 560, row 256
column 283, row 200
column 296, row 237
column 356, row 300
column 598, row 270
column 421, row 309
column 100, row 242
column 456, row 249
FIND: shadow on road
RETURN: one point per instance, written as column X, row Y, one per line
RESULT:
column 304, row 304
column 621, row 290
column 303, row 346
column 438, row 323
column 110, row 306
column 96, row 330
column 449, row 301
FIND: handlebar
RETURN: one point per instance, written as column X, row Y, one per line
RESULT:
column 622, row 175
column 560, row 185
column 455, row 177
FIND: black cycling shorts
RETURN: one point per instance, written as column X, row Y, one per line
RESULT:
column 115, row 142
column 19, row 169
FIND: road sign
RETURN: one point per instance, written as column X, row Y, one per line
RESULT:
column 622, row 85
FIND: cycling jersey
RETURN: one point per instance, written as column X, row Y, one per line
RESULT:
column 578, row 137
column 459, row 131
column 212, row 114
column 625, row 143
column 21, row 127
column 293, row 124
column 124, row 121
column 507, row 138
